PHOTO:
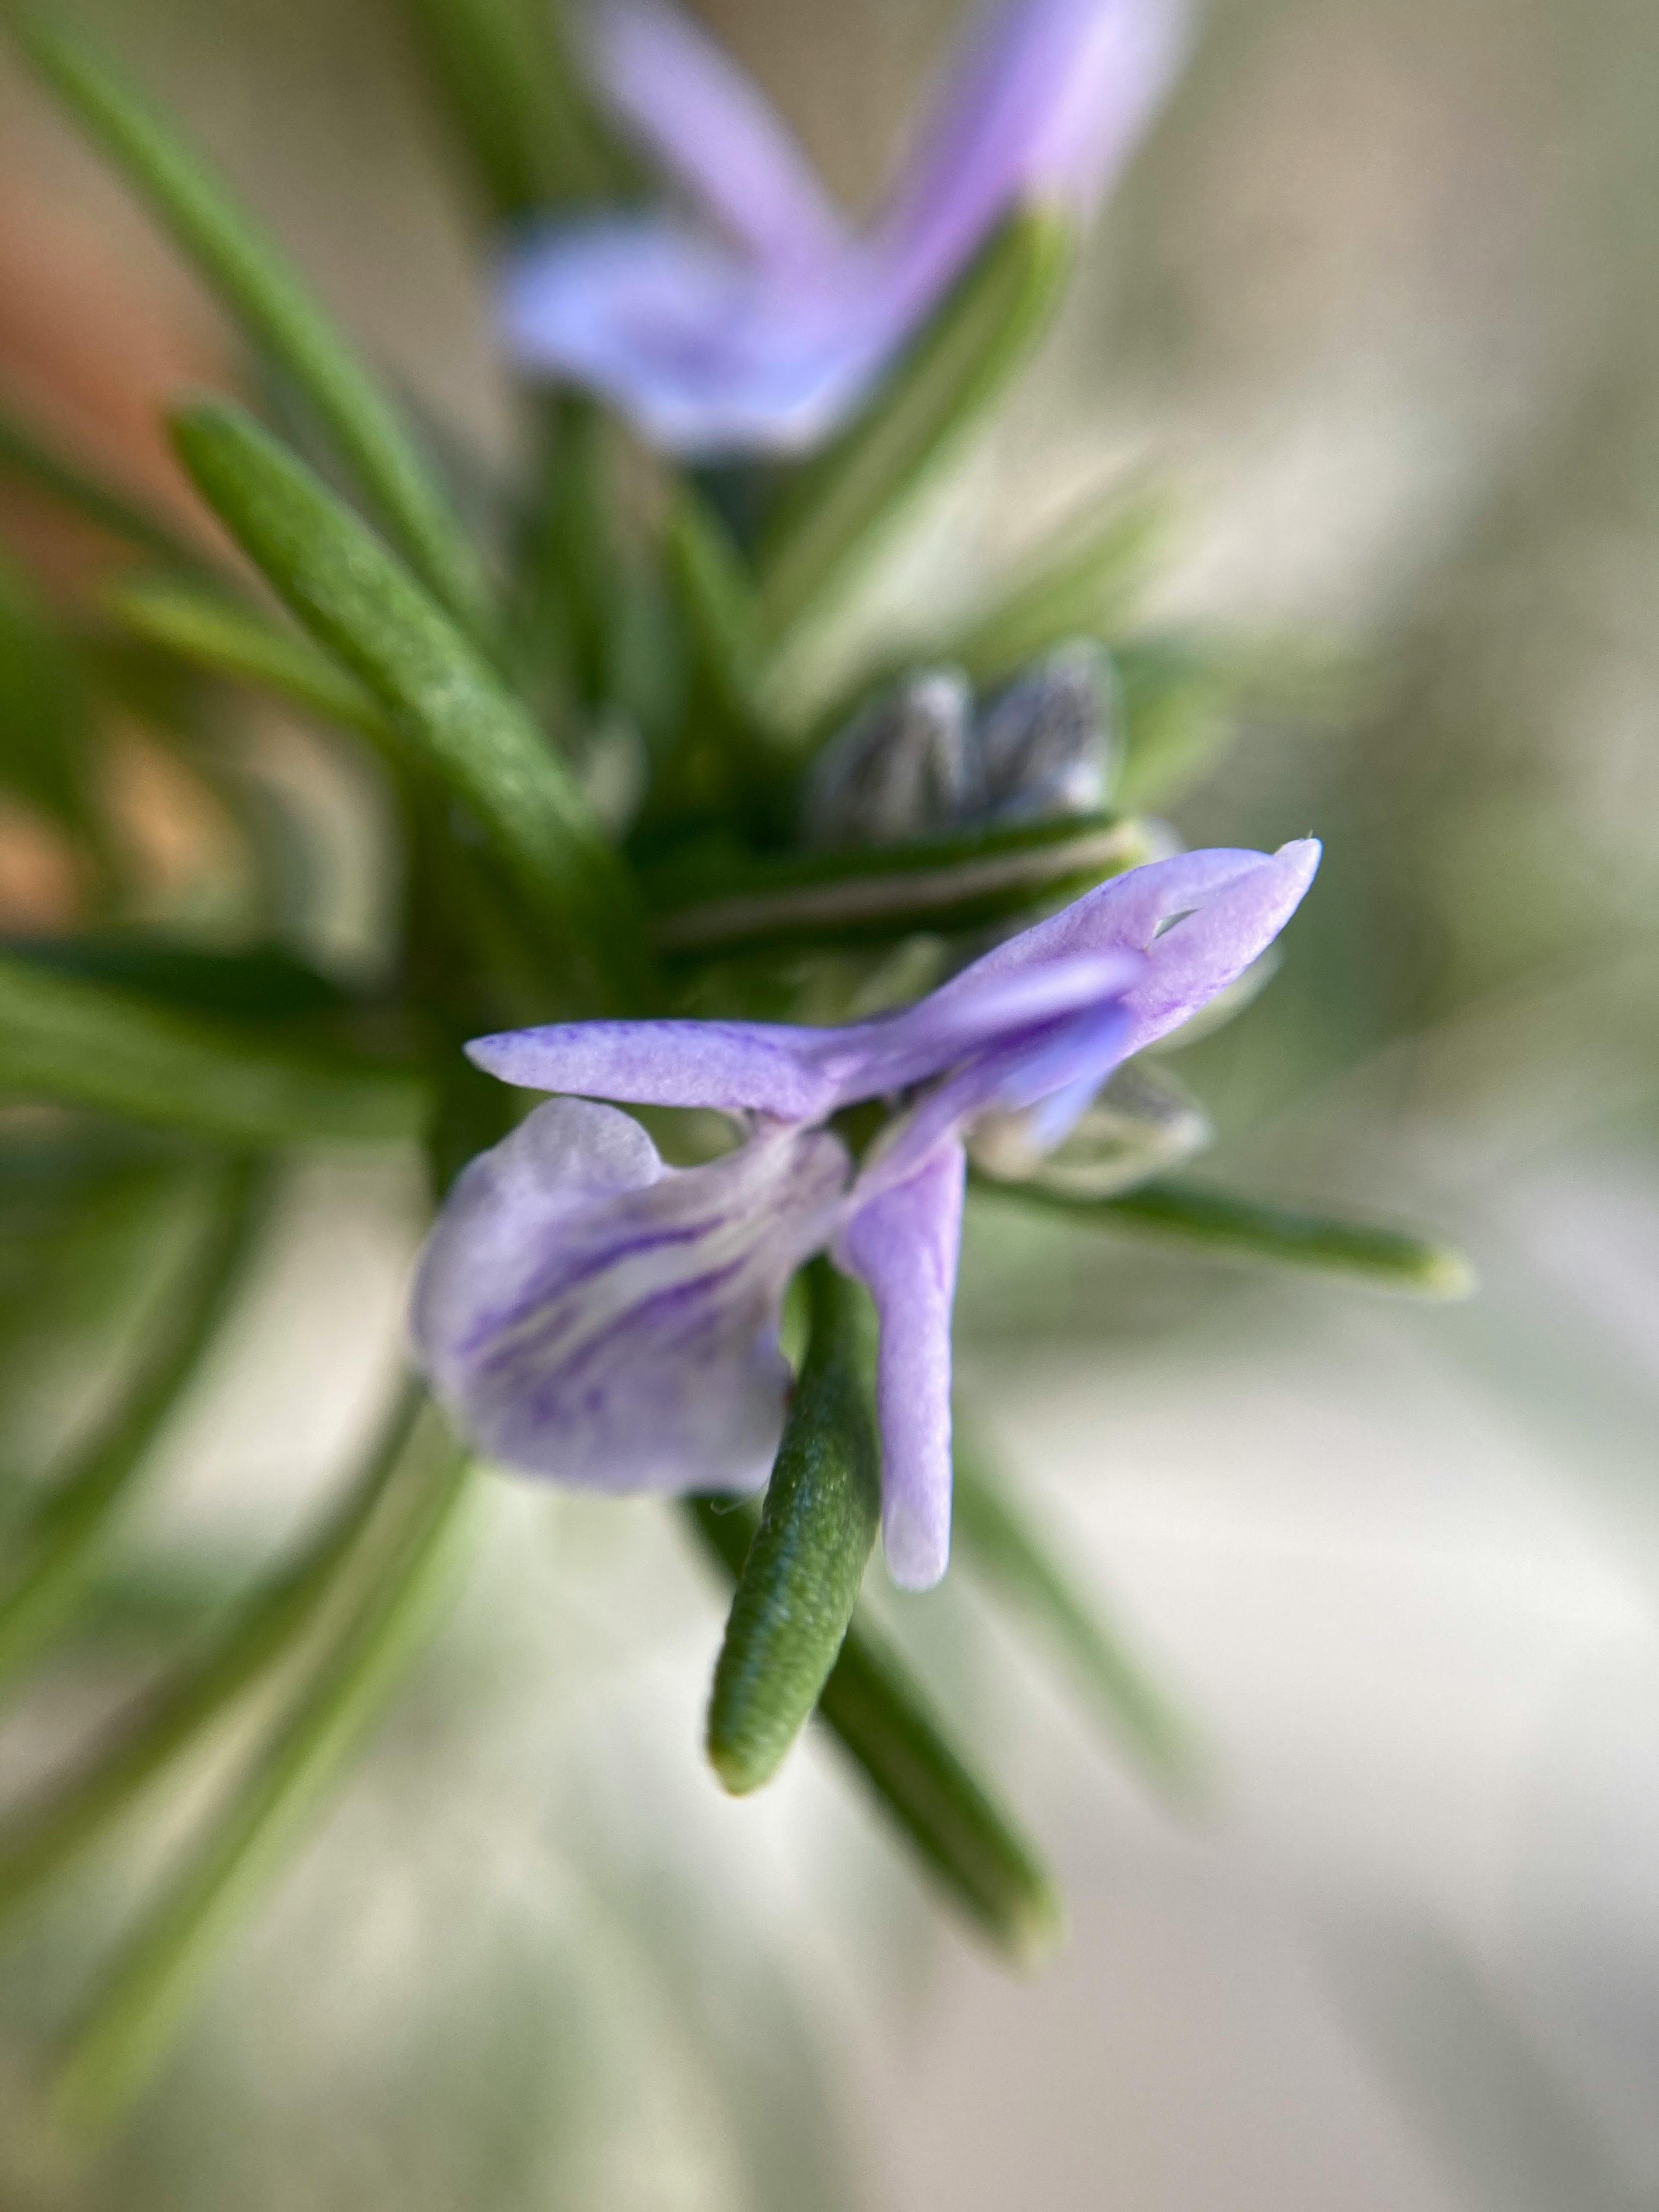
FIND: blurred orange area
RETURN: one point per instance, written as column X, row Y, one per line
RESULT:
column 39, row 881
column 96, row 334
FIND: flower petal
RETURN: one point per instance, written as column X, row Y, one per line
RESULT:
column 1050, row 1075
column 710, row 124
column 794, row 1074
column 1211, row 947
column 1200, row 920
column 733, row 1066
column 903, row 1245
column 588, row 1314
column 707, row 351
column 1050, row 100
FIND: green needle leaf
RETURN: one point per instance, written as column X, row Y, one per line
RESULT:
column 453, row 721
column 997, row 1541
column 882, row 1720
column 717, row 597
column 225, row 639
column 30, row 457
column 884, row 1723
column 504, row 71
column 54, row 1545
column 800, row 1582
column 1082, row 585
column 84, row 1043
column 266, row 982
column 824, row 901
column 45, row 730
column 126, row 2032
column 853, row 495
column 41, row 1840
column 1247, row 1229
column 272, row 304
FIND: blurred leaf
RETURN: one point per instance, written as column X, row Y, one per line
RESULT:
column 124, row 2034
column 1082, row 583
column 506, row 72
column 881, row 1718
column 264, row 983
column 87, row 1044
column 718, row 902
column 276, row 309
column 84, row 1213
column 46, row 734
column 1247, row 1229
column 30, row 455
column 50, row 1551
column 716, row 597
column 566, row 575
column 454, row 723
column 1179, row 714
column 37, row 1842
column 830, row 522
column 800, row 1581
column 225, row 639
column 999, row 1544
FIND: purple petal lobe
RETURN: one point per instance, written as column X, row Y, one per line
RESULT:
column 981, row 1007
column 732, row 1066
column 1208, row 949
column 1050, row 100
column 710, row 352
column 1200, row 920
column 588, row 1314
column 904, row 1246
column 712, row 127
column 1052, row 1073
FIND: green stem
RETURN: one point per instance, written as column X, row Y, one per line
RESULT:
column 126, row 2032
column 996, row 1540
column 46, row 1838
column 69, row 1522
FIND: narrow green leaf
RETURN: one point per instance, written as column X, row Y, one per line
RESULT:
column 1181, row 712
column 800, row 1582
column 455, row 724
column 44, row 729
column 126, row 2031
column 30, row 457
column 716, row 596
column 277, row 309
column 1248, row 1229
column 225, row 639
column 41, row 1840
column 266, row 983
column 882, row 1720
column 997, row 1541
column 812, row 901
column 87, row 1044
column 847, row 500
column 884, row 1723
column 54, row 1545
column 1083, row 584
column 505, row 71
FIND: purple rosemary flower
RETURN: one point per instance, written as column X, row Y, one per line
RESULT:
column 589, row 1313
column 756, row 320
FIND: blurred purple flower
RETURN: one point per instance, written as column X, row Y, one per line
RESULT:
column 588, row 1314
column 758, row 322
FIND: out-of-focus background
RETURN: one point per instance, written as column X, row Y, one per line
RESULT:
column 1379, row 302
